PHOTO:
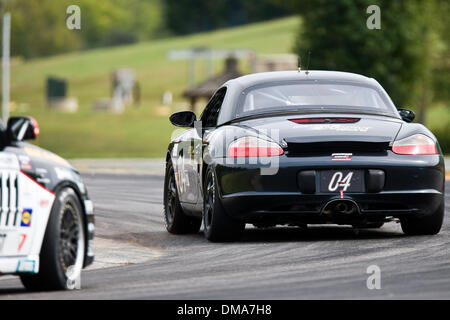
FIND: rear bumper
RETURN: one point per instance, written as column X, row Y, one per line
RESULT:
column 290, row 208
column 411, row 186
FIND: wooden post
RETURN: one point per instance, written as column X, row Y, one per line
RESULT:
column 6, row 65
column 193, row 101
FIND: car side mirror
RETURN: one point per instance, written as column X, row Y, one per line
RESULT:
column 22, row 128
column 407, row 115
column 184, row 119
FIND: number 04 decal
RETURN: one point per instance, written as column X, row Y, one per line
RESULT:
column 338, row 180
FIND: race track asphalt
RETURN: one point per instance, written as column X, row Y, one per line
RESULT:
column 323, row 262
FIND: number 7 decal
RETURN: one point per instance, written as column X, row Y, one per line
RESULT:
column 24, row 237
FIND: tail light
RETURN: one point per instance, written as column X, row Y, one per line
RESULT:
column 418, row 144
column 253, row 147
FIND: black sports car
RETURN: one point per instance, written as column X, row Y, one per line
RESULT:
column 46, row 217
column 298, row 148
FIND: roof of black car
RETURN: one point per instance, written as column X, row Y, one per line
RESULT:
column 238, row 85
column 264, row 77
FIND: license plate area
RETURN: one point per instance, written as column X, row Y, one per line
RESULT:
column 333, row 181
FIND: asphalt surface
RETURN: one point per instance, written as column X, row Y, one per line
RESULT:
column 323, row 262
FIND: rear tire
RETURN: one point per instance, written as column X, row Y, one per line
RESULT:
column 177, row 222
column 63, row 247
column 218, row 226
column 427, row 225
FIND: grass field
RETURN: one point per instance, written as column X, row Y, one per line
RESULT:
column 140, row 131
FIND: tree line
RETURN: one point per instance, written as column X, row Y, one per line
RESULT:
column 39, row 28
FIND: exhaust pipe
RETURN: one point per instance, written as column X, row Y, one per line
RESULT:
column 340, row 207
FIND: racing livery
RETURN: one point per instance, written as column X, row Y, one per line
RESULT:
column 46, row 217
column 299, row 148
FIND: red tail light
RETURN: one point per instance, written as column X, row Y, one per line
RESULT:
column 253, row 147
column 325, row 120
column 418, row 144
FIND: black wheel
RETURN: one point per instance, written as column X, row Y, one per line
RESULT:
column 427, row 225
column 63, row 247
column 177, row 222
column 218, row 226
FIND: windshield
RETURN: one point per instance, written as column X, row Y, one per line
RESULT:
column 323, row 97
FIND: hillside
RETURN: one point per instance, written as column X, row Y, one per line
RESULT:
column 140, row 131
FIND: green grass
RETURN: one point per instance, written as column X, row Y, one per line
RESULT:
column 140, row 131
column 438, row 117
column 438, row 120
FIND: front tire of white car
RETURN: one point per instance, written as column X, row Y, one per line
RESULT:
column 63, row 247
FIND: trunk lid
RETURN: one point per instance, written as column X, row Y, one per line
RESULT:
column 326, row 134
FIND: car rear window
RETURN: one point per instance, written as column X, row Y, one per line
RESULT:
column 326, row 97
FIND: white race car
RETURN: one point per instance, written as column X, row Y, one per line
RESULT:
column 46, row 216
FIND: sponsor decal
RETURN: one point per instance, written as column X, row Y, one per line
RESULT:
column 341, row 156
column 9, row 161
column 26, row 218
column 26, row 265
column 43, row 181
column 41, row 171
column 42, row 178
column 335, row 127
column 25, row 163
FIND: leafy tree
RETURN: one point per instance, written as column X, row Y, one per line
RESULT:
column 400, row 55
column 35, row 28
column 115, row 22
column 39, row 27
column 189, row 16
column 441, row 61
